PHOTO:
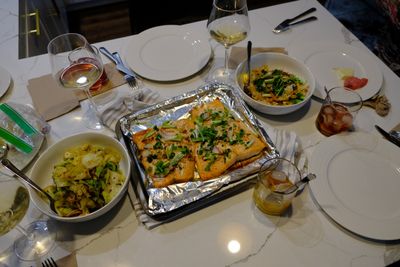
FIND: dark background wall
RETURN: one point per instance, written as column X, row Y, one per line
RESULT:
column 102, row 20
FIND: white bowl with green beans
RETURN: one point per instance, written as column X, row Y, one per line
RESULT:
column 87, row 174
column 278, row 84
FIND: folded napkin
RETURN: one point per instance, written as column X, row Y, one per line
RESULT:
column 287, row 143
column 238, row 54
column 51, row 100
column 289, row 146
column 127, row 103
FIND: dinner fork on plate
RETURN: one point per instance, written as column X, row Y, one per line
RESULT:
column 49, row 263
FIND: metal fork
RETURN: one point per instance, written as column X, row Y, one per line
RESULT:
column 49, row 263
column 129, row 76
column 136, row 94
column 132, row 82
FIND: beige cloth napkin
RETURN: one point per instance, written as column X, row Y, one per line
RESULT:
column 51, row 100
column 238, row 54
column 128, row 104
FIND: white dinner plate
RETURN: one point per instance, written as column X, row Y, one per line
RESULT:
column 358, row 183
column 167, row 53
column 323, row 57
column 5, row 81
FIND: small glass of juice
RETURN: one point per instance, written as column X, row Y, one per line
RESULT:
column 271, row 194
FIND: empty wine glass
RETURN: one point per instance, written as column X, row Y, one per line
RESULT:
column 37, row 239
column 228, row 24
column 75, row 64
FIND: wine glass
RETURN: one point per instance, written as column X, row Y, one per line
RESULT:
column 75, row 64
column 37, row 239
column 228, row 24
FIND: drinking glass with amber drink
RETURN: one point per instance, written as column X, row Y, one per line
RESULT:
column 338, row 111
column 103, row 80
column 274, row 190
column 76, row 64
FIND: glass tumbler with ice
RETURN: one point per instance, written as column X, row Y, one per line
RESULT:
column 338, row 111
column 273, row 191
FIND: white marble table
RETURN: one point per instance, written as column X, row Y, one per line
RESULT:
column 306, row 238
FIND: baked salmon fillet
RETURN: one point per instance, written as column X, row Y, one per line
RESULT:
column 210, row 142
column 250, row 144
column 211, row 164
column 166, row 153
column 221, row 140
column 205, row 110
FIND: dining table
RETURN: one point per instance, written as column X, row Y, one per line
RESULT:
column 232, row 231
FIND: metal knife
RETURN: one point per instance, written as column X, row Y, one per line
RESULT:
column 388, row 136
column 119, row 64
column 287, row 23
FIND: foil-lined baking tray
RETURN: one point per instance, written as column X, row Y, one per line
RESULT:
column 167, row 199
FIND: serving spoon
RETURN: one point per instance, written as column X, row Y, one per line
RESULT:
column 11, row 167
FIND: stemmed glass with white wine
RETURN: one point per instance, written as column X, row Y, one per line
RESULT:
column 37, row 239
column 75, row 64
column 228, row 24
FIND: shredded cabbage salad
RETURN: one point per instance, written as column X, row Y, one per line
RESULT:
column 85, row 180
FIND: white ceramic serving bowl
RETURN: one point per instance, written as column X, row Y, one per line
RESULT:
column 276, row 61
column 42, row 171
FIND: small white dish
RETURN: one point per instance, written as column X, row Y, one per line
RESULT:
column 276, row 61
column 5, row 81
column 323, row 57
column 358, row 183
column 167, row 53
column 42, row 171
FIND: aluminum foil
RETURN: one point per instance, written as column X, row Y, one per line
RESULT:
column 163, row 200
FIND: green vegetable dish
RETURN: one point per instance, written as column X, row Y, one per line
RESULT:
column 275, row 87
column 85, row 180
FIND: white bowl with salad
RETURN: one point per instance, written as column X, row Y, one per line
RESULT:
column 279, row 84
column 86, row 174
